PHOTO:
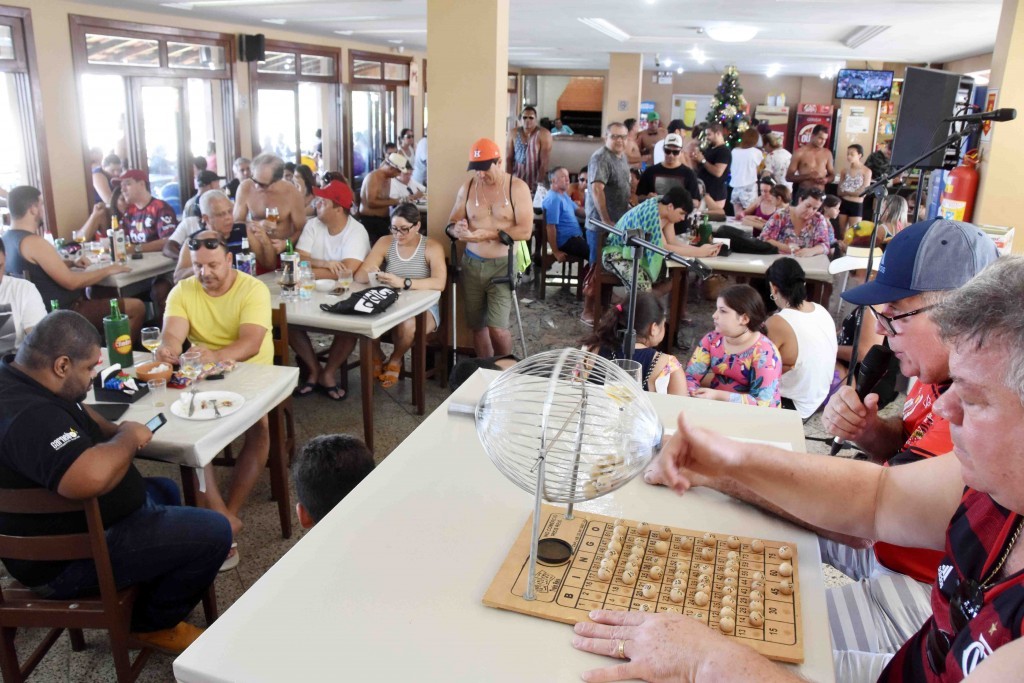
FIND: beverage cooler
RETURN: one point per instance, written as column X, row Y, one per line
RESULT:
column 777, row 119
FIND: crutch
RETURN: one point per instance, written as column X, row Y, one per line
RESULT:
column 512, row 278
column 453, row 281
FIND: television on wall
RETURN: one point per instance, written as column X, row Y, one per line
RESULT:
column 863, row 84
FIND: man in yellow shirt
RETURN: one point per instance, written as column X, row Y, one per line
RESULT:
column 225, row 314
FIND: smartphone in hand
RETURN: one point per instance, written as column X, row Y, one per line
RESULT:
column 157, row 422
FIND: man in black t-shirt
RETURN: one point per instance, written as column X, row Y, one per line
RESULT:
column 713, row 165
column 660, row 178
column 48, row 439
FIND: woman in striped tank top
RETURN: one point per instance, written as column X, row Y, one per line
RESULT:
column 406, row 260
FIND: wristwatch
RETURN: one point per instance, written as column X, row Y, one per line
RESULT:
column 408, row 283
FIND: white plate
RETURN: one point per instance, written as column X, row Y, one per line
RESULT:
column 204, row 405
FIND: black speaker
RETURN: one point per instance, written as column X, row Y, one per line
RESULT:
column 929, row 97
column 252, row 48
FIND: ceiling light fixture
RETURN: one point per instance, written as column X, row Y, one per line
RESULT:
column 862, row 35
column 773, row 69
column 731, row 33
column 344, row 33
column 698, row 55
column 606, row 27
column 679, row 70
column 279, row 22
column 667, row 61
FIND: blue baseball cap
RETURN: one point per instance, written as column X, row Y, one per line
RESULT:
column 931, row 256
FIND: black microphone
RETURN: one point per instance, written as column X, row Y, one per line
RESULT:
column 869, row 373
column 994, row 115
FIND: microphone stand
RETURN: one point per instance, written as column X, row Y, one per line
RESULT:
column 878, row 189
column 632, row 239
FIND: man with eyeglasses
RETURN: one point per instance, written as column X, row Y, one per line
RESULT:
column 607, row 199
column 375, row 196
column 225, row 314
column 267, row 189
column 923, row 265
column 216, row 211
column 529, row 150
column 967, row 505
column 658, row 179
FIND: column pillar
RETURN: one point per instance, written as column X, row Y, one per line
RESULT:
column 467, row 58
column 999, row 192
column 622, row 87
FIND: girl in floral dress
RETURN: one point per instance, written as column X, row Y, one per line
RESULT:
column 735, row 362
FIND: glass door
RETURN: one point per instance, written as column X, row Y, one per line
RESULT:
column 159, row 107
column 366, row 104
column 277, row 118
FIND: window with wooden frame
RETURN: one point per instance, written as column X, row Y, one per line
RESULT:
column 379, row 106
column 24, row 161
column 294, row 101
column 159, row 99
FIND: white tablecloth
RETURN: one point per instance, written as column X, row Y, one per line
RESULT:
column 149, row 266
column 816, row 267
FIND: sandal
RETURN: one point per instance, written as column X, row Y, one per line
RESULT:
column 378, row 366
column 334, row 393
column 306, row 389
column 389, row 377
column 231, row 561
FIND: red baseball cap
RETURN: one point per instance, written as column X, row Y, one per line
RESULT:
column 482, row 154
column 135, row 174
column 338, row 192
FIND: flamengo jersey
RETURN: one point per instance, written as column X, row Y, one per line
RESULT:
column 154, row 221
column 977, row 537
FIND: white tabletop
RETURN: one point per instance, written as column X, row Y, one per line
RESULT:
column 388, row 586
column 195, row 443
column 816, row 267
column 151, row 265
column 307, row 313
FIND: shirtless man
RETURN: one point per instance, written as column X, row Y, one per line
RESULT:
column 812, row 165
column 375, row 196
column 633, row 155
column 267, row 188
column 489, row 202
column 650, row 137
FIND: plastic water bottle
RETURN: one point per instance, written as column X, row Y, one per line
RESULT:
column 306, row 281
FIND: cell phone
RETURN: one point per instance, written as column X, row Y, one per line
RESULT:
column 157, row 422
column 219, row 375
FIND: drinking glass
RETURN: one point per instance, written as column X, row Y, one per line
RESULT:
column 157, row 392
column 344, row 280
column 619, row 390
column 272, row 217
column 151, row 338
column 631, row 367
column 286, row 280
column 372, row 276
column 191, row 366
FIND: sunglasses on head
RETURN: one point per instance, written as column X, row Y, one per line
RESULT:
column 195, row 243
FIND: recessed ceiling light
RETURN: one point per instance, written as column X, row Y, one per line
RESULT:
column 773, row 69
column 606, row 27
column 667, row 61
column 698, row 54
column 396, row 42
column 731, row 33
column 344, row 33
column 279, row 22
column 679, row 70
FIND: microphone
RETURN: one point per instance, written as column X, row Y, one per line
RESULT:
column 869, row 373
column 994, row 115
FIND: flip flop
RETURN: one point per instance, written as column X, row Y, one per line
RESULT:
column 389, row 377
column 231, row 561
column 303, row 390
column 337, row 396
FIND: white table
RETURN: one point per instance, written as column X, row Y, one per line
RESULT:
column 151, row 265
column 306, row 314
column 388, row 586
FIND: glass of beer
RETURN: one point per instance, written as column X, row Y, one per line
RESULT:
column 272, row 215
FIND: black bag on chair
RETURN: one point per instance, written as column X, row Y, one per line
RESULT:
column 743, row 243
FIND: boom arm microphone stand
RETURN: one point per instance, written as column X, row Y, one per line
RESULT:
column 878, row 189
column 632, row 238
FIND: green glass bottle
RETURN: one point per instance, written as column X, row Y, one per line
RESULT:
column 119, row 336
column 54, row 305
column 705, row 231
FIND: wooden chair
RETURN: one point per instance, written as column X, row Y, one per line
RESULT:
column 547, row 259
column 21, row 608
column 605, row 281
column 282, row 430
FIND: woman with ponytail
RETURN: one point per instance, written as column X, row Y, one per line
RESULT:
column 660, row 372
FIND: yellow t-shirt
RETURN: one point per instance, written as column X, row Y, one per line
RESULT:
column 214, row 322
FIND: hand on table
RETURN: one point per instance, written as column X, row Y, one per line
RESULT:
column 712, row 394
column 165, row 354
column 709, row 250
column 335, row 267
column 135, row 432
column 205, row 355
column 848, row 418
column 117, row 268
column 659, row 647
column 807, row 252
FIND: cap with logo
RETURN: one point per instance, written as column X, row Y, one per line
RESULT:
column 483, row 154
column 399, row 161
column 135, row 174
column 931, row 256
column 653, row 116
column 338, row 192
column 674, row 140
column 207, row 177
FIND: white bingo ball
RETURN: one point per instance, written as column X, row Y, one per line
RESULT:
column 733, row 542
column 629, row 576
column 785, row 569
column 755, row 618
column 757, row 545
column 726, row 624
column 661, row 547
column 785, row 552
column 677, row 595
column 648, row 591
column 786, row 587
column 655, row 572
column 701, row 599
column 604, row 573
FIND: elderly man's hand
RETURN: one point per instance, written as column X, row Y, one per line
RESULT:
column 165, row 354
column 205, row 355
column 659, row 647
column 848, row 418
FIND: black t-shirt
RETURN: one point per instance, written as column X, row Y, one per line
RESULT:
column 715, row 186
column 659, row 180
column 41, row 436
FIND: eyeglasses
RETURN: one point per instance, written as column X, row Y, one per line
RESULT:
column 529, row 118
column 672, row 152
column 195, row 243
column 887, row 322
column 399, row 230
column 617, row 137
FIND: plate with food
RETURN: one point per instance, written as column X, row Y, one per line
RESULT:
column 207, row 405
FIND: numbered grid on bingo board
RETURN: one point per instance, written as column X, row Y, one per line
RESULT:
column 567, row 592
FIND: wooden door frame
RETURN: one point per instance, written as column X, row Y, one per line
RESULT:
column 135, row 123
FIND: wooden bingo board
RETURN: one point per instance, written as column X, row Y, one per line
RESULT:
column 582, row 571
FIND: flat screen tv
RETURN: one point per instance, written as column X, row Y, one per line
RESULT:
column 863, row 84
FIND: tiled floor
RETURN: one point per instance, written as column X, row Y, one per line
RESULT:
column 548, row 324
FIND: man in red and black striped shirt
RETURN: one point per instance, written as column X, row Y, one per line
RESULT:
column 968, row 504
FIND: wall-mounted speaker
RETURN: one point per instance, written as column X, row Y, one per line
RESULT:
column 252, row 48
column 929, row 97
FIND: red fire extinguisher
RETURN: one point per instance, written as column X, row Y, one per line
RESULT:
column 957, row 201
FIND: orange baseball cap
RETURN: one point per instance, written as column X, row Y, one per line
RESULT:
column 482, row 154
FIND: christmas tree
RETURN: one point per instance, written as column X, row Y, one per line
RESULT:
column 729, row 107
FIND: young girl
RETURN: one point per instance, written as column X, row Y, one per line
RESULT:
column 853, row 181
column 735, row 362
column 661, row 372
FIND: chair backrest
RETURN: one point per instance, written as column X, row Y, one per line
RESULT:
column 279, row 331
column 43, row 548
